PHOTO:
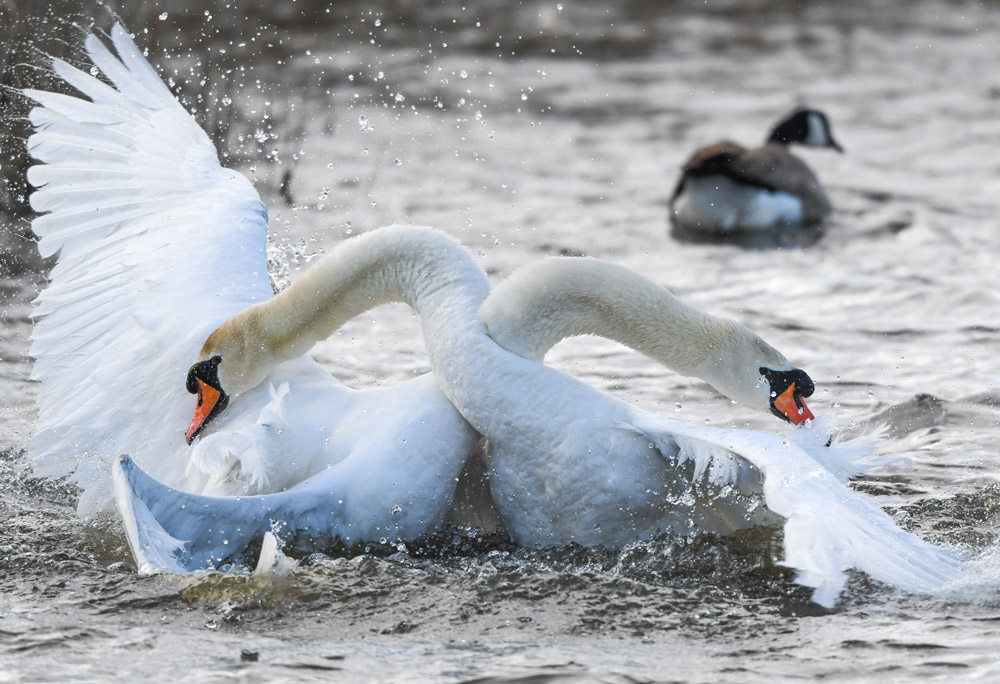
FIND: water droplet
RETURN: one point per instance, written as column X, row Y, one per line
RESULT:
column 378, row 22
column 398, row 162
column 677, row 406
column 94, row 71
column 227, row 100
column 163, row 16
column 524, row 97
column 365, row 124
column 463, row 74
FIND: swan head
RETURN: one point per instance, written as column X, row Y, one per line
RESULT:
column 787, row 389
column 746, row 368
column 232, row 361
column 203, row 380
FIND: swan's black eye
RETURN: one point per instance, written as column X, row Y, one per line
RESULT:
column 208, row 372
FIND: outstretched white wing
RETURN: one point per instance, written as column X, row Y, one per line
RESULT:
column 158, row 244
column 829, row 528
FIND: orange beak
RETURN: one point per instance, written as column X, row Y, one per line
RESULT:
column 208, row 397
column 792, row 406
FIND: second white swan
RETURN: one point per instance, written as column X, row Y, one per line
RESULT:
column 571, row 464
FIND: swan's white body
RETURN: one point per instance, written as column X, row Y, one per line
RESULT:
column 144, row 214
column 569, row 463
column 158, row 245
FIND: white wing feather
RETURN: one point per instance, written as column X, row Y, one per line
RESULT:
column 158, row 244
column 829, row 527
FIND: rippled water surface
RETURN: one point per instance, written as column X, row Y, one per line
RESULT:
column 539, row 128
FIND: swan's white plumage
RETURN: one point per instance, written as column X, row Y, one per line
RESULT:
column 158, row 245
column 829, row 528
column 159, row 550
column 572, row 464
column 391, row 493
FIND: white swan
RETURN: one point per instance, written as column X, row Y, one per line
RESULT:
column 158, row 245
column 405, row 450
column 571, row 464
column 597, row 471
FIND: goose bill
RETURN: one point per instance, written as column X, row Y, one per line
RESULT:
column 793, row 406
column 208, row 400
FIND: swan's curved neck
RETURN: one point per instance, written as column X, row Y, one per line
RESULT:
column 418, row 266
column 556, row 298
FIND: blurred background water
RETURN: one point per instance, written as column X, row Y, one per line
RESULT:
column 536, row 128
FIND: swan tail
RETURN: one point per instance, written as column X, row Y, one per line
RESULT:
column 173, row 531
column 829, row 528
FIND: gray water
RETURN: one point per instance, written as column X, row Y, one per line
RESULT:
column 565, row 139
